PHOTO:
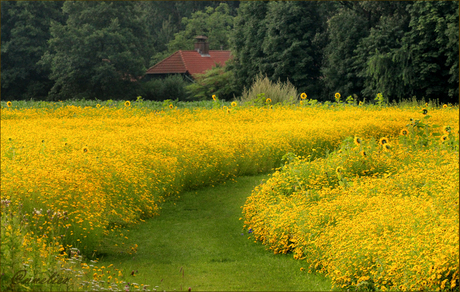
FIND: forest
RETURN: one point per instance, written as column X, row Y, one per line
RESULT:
column 57, row 50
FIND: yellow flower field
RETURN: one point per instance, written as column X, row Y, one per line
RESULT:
column 387, row 220
column 81, row 175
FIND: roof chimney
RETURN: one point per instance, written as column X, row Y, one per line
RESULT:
column 201, row 46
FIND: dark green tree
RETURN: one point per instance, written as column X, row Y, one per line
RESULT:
column 25, row 33
column 101, row 49
column 247, row 43
column 292, row 47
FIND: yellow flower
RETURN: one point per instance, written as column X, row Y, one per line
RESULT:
column 228, row 111
column 301, row 102
column 268, row 100
column 9, row 104
column 447, row 129
column 357, row 141
column 337, row 96
column 214, row 97
column 339, row 170
column 303, row 95
column 85, row 149
column 171, row 106
column 98, row 105
column 386, row 147
column 383, row 140
column 360, row 103
column 234, row 104
column 127, row 103
column 444, row 138
column 302, row 269
column 363, row 153
column 424, row 111
column 404, row 132
column 444, row 106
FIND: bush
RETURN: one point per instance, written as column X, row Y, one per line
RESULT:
column 172, row 87
column 279, row 92
column 215, row 81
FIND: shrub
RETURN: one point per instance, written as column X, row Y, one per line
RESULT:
column 216, row 81
column 172, row 87
column 278, row 92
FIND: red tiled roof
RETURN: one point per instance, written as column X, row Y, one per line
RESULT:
column 189, row 62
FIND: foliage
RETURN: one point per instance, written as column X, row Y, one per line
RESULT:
column 171, row 87
column 25, row 33
column 216, row 81
column 98, row 52
column 279, row 92
column 215, row 23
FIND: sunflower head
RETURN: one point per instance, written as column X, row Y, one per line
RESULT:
column 301, row 102
column 383, row 141
column 214, row 97
column 363, row 153
column 98, row 105
column 9, row 104
column 171, row 106
column 404, row 132
column 339, row 170
column 228, row 111
column 360, row 103
column 357, row 141
column 85, row 149
column 444, row 106
column 268, row 101
column 337, row 96
column 424, row 111
column 386, row 147
column 303, row 95
column 444, row 138
column 234, row 104
column 127, row 103
column 447, row 129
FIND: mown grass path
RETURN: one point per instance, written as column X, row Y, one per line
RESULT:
column 198, row 242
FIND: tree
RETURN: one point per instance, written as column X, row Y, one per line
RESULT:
column 25, row 33
column 215, row 23
column 99, row 51
column 247, row 43
column 292, row 45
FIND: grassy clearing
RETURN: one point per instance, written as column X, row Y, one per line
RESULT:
column 200, row 233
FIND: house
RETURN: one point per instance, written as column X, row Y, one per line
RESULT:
column 188, row 63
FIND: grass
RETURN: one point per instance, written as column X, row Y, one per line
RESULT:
column 198, row 242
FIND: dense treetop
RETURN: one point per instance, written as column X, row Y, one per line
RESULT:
column 59, row 50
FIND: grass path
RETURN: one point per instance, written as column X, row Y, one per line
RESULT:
column 198, row 242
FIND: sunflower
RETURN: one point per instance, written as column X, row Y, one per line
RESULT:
column 383, row 140
column 171, row 106
column 404, row 132
column 363, row 153
column 360, row 103
column 234, row 104
column 424, row 111
column 303, row 95
column 98, row 105
column 85, row 149
column 337, row 96
column 447, row 129
column 386, row 147
column 228, row 111
column 339, row 170
column 444, row 138
column 444, row 106
column 357, row 141
column 214, row 97
column 301, row 102
column 268, row 100
column 9, row 104
column 127, row 103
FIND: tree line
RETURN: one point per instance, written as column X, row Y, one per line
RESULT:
column 57, row 50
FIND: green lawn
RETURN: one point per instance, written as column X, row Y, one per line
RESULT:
column 198, row 242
